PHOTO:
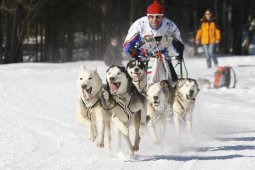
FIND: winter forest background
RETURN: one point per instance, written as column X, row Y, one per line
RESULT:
column 71, row 30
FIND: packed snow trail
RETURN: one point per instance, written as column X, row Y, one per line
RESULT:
column 38, row 128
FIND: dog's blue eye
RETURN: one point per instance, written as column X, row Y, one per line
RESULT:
column 80, row 78
column 119, row 73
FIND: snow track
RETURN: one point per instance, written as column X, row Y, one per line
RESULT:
column 38, row 128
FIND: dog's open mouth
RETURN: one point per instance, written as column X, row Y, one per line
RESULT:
column 156, row 103
column 87, row 93
column 190, row 97
column 136, row 76
column 114, row 87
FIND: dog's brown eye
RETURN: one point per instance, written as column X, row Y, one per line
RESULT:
column 119, row 73
column 80, row 78
column 90, row 78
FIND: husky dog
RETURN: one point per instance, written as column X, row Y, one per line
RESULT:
column 129, row 104
column 183, row 102
column 137, row 70
column 90, row 110
column 158, row 107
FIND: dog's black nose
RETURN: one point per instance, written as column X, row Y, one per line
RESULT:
column 155, row 97
column 83, row 86
column 112, row 78
column 191, row 92
column 136, row 69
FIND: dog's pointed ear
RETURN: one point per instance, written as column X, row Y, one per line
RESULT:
column 165, row 86
column 174, row 84
column 82, row 67
column 180, row 83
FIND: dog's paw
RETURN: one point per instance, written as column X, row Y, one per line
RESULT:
column 136, row 148
column 131, row 153
column 92, row 138
column 100, row 145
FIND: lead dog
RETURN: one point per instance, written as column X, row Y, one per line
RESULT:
column 158, row 108
column 129, row 105
column 183, row 103
column 90, row 110
column 138, row 72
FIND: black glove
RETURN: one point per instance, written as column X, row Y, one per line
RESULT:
column 178, row 45
column 134, row 52
column 179, row 57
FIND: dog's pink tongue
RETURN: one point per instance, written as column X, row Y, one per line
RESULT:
column 113, row 88
column 136, row 77
column 86, row 95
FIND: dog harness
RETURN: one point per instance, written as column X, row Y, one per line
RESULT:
column 126, row 107
column 89, row 109
column 183, row 108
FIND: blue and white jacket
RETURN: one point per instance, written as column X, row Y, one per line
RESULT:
column 141, row 28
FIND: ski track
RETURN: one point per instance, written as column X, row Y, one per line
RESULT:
column 38, row 128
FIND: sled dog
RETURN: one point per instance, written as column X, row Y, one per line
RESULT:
column 158, row 108
column 129, row 105
column 90, row 110
column 183, row 103
column 137, row 70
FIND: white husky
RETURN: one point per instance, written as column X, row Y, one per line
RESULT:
column 158, row 108
column 183, row 102
column 90, row 110
column 129, row 105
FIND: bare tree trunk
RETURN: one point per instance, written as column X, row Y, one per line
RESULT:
column 237, row 27
column 70, row 43
column 42, row 42
column 247, row 41
column 132, row 11
column 51, row 41
column 1, row 38
column 36, row 42
column 225, row 28
column 196, row 24
column 13, row 42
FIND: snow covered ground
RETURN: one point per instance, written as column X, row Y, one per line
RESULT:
column 38, row 128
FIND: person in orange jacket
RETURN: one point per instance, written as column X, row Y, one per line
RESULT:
column 208, row 35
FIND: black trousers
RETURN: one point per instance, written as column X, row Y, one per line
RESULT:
column 173, row 73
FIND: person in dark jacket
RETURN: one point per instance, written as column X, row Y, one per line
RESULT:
column 113, row 54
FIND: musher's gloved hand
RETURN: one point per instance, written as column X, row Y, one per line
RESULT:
column 178, row 46
column 179, row 57
column 134, row 52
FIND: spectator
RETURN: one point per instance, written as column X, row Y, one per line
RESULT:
column 113, row 54
column 208, row 35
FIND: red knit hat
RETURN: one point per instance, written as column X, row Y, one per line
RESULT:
column 155, row 8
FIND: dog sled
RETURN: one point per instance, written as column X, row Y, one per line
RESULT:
column 159, row 54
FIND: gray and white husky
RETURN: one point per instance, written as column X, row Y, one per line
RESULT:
column 138, row 72
column 158, row 108
column 129, row 105
column 183, row 103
